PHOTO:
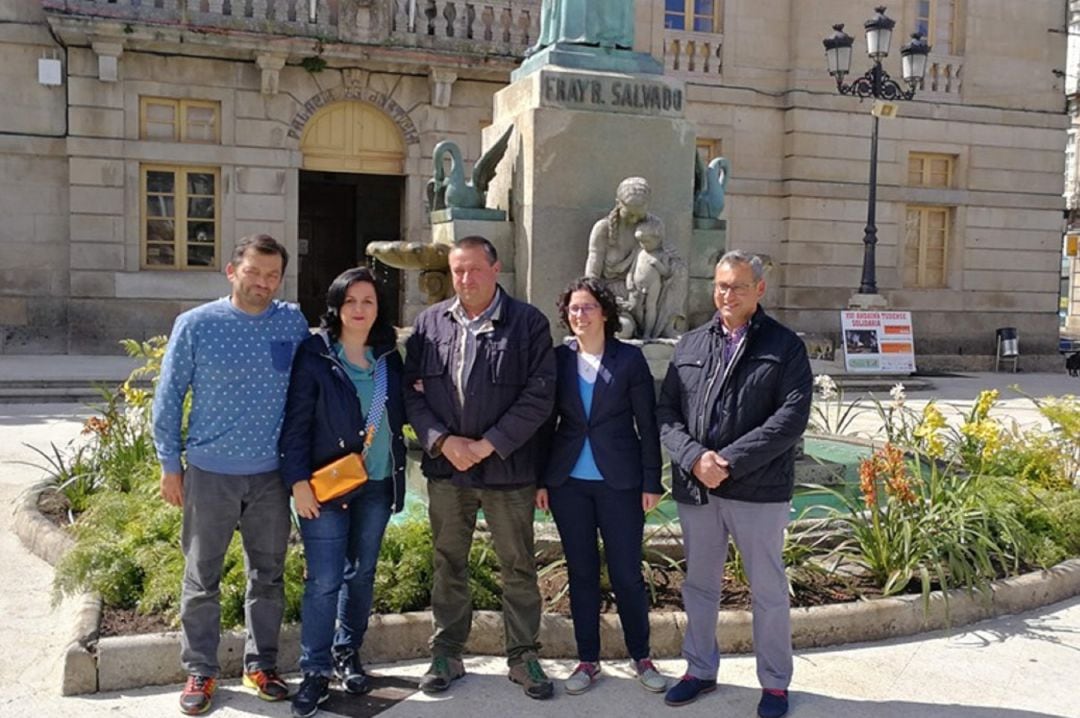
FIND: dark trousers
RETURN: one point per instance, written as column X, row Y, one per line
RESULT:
column 215, row 505
column 580, row 509
column 509, row 515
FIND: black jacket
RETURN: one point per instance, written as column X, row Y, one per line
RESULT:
column 323, row 417
column 765, row 405
column 621, row 425
column 509, row 394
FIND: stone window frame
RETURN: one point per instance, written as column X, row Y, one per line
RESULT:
column 925, row 171
column 690, row 11
column 917, row 249
column 181, row 108
column 180, row 222
column 712, row 146
column 928, row 24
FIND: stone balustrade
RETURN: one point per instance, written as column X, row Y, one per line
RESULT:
column 308, row 18
column 694, row 55
column 482, row 27
column 944, row 75
column 501, row 27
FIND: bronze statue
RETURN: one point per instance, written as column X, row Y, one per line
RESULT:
column 451, row 191
column 603, row 23
column 710, row 187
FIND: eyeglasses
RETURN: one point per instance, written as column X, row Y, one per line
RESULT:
column 737, row 289
column 582, row 308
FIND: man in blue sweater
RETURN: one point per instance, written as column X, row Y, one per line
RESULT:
column 234, row 354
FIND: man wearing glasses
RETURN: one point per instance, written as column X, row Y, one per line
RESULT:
column 734, row 403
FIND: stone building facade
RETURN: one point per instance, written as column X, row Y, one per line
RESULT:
column 1071, row 268
column 178, row 126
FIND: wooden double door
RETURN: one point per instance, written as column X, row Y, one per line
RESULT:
column 340, row 213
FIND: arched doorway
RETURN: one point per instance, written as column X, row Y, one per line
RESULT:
column 351, row 190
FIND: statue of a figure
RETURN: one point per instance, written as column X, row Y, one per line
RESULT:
column 627, row 249
column 710, row 187
column 607, row 23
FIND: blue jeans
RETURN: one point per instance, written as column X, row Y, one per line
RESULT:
column 341, row 549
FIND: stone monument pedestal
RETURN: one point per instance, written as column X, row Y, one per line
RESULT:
column 578, row 134
column 658, row 353
column 706, row 248
column 584, row 57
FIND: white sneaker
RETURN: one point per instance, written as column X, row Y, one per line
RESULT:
column 582, row 678
column 650, row 678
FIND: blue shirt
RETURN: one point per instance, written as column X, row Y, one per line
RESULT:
column 377, row 461
column 237, row 367
column 585, row 467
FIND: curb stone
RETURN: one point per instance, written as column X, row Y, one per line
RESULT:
column 49, row 543
column 116, row 663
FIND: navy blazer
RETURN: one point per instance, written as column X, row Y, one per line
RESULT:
column 621, row 425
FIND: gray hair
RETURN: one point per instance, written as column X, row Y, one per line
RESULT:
column 737, row 256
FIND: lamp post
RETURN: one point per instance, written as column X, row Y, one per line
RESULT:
column 876, row 83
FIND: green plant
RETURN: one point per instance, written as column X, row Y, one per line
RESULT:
column 313, row 64
column 405, row 572
column 1063, row 413
column 925, row 521
column 70, row 472
column 1032, row 457
column 116, row 449
column 903, row 425
column 119, row 540
column 829, row 413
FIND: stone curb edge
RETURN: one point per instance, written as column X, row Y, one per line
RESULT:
column 49, row 543
column 117, row 663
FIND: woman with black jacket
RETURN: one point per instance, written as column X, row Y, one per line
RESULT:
column 603, row 475
column 346, row 382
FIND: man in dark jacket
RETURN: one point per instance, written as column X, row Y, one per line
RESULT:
column 734, row 403
column 480, row 382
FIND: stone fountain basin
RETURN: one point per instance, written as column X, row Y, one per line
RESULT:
column 411, row 255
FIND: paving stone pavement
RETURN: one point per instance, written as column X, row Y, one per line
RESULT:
column 1013, row 667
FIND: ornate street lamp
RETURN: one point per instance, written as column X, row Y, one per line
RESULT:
column 876, row 83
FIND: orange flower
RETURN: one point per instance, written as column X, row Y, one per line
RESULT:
column 888, row 466
column 868, row 473
column 96, row 425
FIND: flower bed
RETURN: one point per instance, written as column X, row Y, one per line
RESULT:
column 937, row 507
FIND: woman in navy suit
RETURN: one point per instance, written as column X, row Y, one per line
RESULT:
column 603, row 474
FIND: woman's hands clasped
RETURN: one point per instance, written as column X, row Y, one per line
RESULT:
column 307, row 506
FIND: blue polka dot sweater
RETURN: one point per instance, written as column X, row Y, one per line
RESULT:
column 237, row 366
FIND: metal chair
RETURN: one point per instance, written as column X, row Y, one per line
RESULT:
column 1008, row 347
